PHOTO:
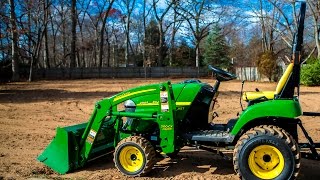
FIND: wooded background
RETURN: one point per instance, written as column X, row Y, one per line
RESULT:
column 45, row 34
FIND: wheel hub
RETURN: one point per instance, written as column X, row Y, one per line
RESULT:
column 266, row 158
column 131, row 158
column 266, row 162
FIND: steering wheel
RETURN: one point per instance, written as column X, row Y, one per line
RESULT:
column 222, row 75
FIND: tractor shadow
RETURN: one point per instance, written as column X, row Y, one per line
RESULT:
column 185, row 162
column 193, row 161
column 310, row 169
column 103, row 163
column 188, row 161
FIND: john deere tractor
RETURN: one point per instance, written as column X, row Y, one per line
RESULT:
column 140, row 124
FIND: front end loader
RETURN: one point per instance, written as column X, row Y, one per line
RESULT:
column 140, row 124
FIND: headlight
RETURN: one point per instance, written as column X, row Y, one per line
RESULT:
column 129, row 106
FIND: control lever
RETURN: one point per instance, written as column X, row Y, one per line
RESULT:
column 241, row 95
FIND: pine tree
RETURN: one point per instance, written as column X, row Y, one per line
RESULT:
column 152, row 42
column 216, row 49
column 152, row 34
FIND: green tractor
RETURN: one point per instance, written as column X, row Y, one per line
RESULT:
column 140, row 124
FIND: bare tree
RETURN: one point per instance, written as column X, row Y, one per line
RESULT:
column 81, row 23
column 46, row 54
column 146, row 13
column 102, row 30
column 160, row 17
column 54, row 30
column 14, row 42
column 36, row 32
column 175, row 26
column 3, row 30
column 197, row 16
column 275, row 23
column 129, row 7
column 314, row 8
column 73, row 34
column 63, row 12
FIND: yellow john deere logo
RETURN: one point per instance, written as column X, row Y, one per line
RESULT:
column 121, row 96
column 146, row 103
column 166, row 127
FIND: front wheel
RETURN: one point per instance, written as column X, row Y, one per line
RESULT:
column 134, row 156
column 267, row 152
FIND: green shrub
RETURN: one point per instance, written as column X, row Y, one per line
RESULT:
column 310, row 74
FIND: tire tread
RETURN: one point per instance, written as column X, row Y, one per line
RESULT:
column 271, row 131
column 147, row 149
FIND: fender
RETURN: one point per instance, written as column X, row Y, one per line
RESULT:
column 274, row 108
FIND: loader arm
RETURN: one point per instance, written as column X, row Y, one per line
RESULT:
column 74, row 146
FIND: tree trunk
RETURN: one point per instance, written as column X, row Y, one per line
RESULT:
column 54, row 37
column 109, row 49
column 63, row 35
column 197, row 54
column 144, row 36
column 173, row 39
column 161, row 50
column 198, row 39
column 54, row 50
column 127, row 41
column 95, row 53
column 317, row 39
column 31, row 69
column 14, row 43
column 46, row 63
column 1, row 42
column 73, row 34
column 314, row 8
column 115, row 55
column 129, row 5
column 101, row 43
column 83, row 53
column 263, row 29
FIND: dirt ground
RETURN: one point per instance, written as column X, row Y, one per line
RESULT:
column 30, row 113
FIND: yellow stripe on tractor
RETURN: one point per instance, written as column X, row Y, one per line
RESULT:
column 122, row 96
column 183, row 103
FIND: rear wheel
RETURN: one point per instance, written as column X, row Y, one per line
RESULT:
column 134, row 156
column 267, row 152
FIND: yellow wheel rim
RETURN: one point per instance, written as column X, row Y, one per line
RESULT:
column 266, row 162
column 131, row 159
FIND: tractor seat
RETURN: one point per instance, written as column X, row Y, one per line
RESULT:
column 268, row 95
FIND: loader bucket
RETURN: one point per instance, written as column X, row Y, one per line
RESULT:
column 62, row 153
